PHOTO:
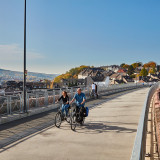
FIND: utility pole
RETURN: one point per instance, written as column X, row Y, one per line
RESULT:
column 136, row 72
column 25, row 71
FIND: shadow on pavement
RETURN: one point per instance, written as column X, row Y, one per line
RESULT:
column 95, row 128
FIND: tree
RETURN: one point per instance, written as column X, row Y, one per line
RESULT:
column 150, row 64
column 122, row 65
column 72, row 73
column 135, row 65
column 132, row 76
column 152, row 70
column 130, row 70
column 144, row 72
column 126, row 66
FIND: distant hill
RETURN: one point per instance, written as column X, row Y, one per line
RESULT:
column 32, row 76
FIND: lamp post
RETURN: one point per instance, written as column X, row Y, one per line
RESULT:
column 24, row 80
column 136, row 72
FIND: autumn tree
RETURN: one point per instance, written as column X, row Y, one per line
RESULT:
column 72, row 73
column 150, row 64
column 126, row 66
column 152, row 70
column 144, row 72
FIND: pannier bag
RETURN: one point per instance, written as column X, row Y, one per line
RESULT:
column 87, row 111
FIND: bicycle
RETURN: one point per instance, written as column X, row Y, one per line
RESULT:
column 61, row 117
column 93, row 94
column 77, row 117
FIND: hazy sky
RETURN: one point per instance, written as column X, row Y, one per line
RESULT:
column 66, row 33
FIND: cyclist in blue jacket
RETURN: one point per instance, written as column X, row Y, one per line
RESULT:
column 80, row 98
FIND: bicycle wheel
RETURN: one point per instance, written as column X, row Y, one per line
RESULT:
column 82, row 122
column 58, row 120
column 68, row 118
column 73, row 122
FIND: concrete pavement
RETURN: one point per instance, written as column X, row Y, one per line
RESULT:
column 108, row 134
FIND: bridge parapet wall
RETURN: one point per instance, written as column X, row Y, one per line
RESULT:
column 157, row 116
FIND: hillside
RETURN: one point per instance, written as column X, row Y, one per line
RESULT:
column 72, row 73
column 32, row 76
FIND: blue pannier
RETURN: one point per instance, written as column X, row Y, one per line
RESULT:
column 87, row 111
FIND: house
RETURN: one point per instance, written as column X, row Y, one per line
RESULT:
column 127, row 79
column 122, row 71
column 153, row 76
column 113, row 68
column 141, row 78
column 108, row 73
column 105, row 82
column 99, row 82
column 68, row 82
column 118, row 78
column 81, row 82
column 92, row 72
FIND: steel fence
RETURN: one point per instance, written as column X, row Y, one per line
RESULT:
column 14, row 103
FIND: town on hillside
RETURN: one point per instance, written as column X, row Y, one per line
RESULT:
column 86, row 75
column 109, row 75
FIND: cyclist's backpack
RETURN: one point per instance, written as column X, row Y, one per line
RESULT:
column 87, row 112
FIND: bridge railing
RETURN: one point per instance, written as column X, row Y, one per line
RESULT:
column 10, row 104
column 139, row 148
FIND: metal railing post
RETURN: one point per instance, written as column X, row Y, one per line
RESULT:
column 8, row 104
column 60, row 92
column 28, row 101
column 37, row 100
column 53, row 96
column 46, row 98
column 20, row 96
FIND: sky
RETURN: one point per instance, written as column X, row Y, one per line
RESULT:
column 62, row 34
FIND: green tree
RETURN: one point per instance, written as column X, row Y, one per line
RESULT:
column 122, row 65
column 133, row 76
column 144, row 72
column 130, row 70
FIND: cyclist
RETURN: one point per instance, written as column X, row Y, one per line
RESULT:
column 96, row 89
column 80, row 99
column 65, row 104
column 93, row 86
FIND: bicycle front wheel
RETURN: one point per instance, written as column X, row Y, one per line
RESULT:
column 58, row 120
column 68, row 117
column 73, row 122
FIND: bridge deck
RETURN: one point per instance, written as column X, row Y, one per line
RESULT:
column 108, row 134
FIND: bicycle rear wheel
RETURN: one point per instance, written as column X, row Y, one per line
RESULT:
column 73, row 122
column 82, row 122
column 58, row 120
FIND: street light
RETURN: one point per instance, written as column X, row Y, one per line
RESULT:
column 24, row 72
column 137, row 62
